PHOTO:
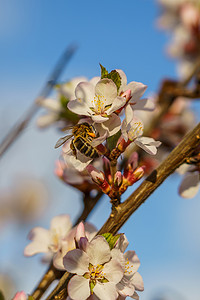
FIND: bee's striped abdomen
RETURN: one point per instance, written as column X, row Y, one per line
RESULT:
column 85, row 148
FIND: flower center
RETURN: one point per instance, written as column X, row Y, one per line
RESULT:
column 55, row 241
column 135, row 131
column 128, row 268
column 96, row 272
column 99, row 104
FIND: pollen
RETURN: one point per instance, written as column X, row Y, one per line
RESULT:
column 128, row 267
column 99, row 104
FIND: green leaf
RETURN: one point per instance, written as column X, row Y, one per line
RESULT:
column 114, row 75
column 104, row 72
column 92, row 285
column 1, row 296
column 112, row 140
column 111, row 239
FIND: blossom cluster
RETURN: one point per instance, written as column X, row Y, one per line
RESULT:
column 182, row 17
column 107, row 124
column 102, row 269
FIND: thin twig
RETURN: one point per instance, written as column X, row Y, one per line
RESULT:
column 50, row 83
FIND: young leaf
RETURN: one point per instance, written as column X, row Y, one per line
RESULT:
column 112, row 140
column 111, row 239
column 104, row 72
column 114, row 75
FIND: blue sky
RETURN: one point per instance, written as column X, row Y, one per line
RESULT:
column 164, row 231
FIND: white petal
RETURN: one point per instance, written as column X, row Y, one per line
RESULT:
column 148, row 144
column 68, row 89
column 124, row 130
column 81, row 162
column 122, row 243
column 95, row 80
column 85, row 91
column 137, row 281
column 99, row 118
column 128, row 114
column 62, row 224
column 107, row 90
column 133, row 262
column 105, row 291
column 135, row 296
column 99, row 140
column 78, row 288
column 113, row 125
column 76, row 261
column 136, row 129
column 144, row 104
column 190, row 185
column 117, row 103
column 113, row 270
column 46, row 120
column 137, row 90
column 98, row 251
column 125, row 287
column 78, row 106
column 40, row 241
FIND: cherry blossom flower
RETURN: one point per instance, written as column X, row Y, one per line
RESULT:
column 56, row 241
column 99, row 102
column 97, row 272
column 133, row 132
column 131, row 280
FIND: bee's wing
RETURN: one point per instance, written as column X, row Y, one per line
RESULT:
column 62, row 140
column 67, row 128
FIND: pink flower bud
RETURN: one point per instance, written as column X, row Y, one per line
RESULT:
column 126, row 94
column 97, row 176
column 118, row 178
column 80, row 231
column 20, row 296
column 133, row 160
column 136, row 175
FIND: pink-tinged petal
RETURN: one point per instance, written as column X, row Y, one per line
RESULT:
column 66, row 148
column 125, row 287
column 119, row 256
column 117, row 104
column 144, row 104
column 46, row 120
column 68, row 89
column 78, row 288
column 79, row 107
column 80, row 231
column 90, row 229
column 106, row 291
column 113, row 125
column 61, row 224
column 58, row 260
column 98, row 251
column 83, row 243
column 190, row 185
column 99, row 118
column 76, row 261
column 123, row 80
column 113, row 270
column 124, row 130
column 106, row 89
column 148, row 144
column 122, row 243
column 128, row 113
column 137, row 281
column 20, row 296
column 135, row 296
column 40, row 241
column 137, row 90
column 132, row 262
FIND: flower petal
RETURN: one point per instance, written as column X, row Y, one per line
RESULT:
column 137, row 281
column 122, row 243
column 128, row 114
column 113, row 125
column 99, row 118
column 189, row 185
column 46, row 120
column 144, row 104
column 123, row 80
column 137, row 90
column 113, row 270
column 76, row 261
column 117, row 103
column 106, row 291
column 40, row 241
column 78, row 288
column 107, row 90
column 78, row 107
column 132, row 262
column 51, row 104
column 148, row 144
column 98, row 251
column 61, row 224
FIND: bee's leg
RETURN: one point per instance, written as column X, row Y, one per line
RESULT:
column 73, row 149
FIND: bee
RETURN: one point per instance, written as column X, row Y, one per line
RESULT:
column 83, row 136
